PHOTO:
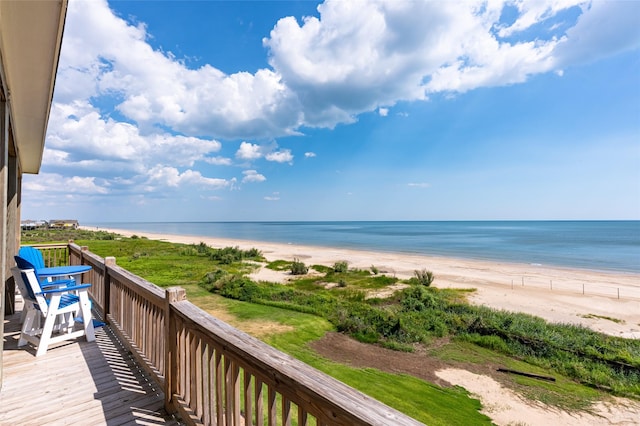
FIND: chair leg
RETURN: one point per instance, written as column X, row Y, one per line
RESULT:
column 49, row 323
column 45, row 337
column 85, row 311
column 27, row 326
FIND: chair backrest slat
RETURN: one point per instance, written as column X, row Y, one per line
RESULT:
column 31, row 283
column 21, row 279
column 32, row 255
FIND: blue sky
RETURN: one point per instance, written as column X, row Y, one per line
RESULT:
column 343, row 110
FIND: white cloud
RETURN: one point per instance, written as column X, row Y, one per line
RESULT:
column 356, row 57
column 249, row 151
column 283, row 156
column 79, row 128
column 419, row 185
column 273, row 197
column 309, row 154
column 52, row 184
column 252, row 176
column 171, row 177
column 604, row 29
column 103, row 55
column 219, row 161
column 383, row 111
column 533, row 12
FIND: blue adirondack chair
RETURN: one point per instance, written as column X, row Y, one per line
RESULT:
column 35, row 258
column 61, row 307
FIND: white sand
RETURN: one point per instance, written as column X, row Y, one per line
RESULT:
column 505, row 407
column 553, row 293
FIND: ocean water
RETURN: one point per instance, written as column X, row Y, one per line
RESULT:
column 598, row 245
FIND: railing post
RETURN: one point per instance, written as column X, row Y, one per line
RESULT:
column 109, row 262
column 172, row 295
column 69, row 252
column 83, row 249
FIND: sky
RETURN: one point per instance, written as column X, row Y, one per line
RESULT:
column 343, row 110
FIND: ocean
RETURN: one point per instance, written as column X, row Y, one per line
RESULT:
column 596, row 245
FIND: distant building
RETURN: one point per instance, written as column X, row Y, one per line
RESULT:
column 63, row 224
column 33, row 224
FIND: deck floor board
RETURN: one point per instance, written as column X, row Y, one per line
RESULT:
column 76, row 382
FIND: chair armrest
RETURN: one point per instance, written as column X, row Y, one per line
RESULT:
column 65, row 289
column 58, row 283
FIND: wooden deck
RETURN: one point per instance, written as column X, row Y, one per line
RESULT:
column 76, row 382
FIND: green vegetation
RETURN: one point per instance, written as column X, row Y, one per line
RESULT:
column 63, row 235
column 341, row 267
column 419, row 313
column 424, row 277
column 616, row 320
column 585, row 363
column 298, row 267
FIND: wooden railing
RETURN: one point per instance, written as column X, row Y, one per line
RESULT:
column 55, row 254
column 212, row 373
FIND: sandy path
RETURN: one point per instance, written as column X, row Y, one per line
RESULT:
column 505, row 407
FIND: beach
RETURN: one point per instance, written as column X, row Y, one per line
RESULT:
column 604, row 301
column 610, row 304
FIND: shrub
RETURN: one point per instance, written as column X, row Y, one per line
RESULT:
column 214, row 280
column 202, row 248
column 279, row 265
column 341, row 267
column 374, row 270
column 298, row 267
column 239, row 287
column 229, row 255
column 424, row 277
column 253, row 253
column 384, row 280
column 226, row 255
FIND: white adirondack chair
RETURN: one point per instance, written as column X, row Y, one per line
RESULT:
column 57, row 306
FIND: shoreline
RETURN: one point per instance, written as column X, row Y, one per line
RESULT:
column 563, row 244
column 605, row 301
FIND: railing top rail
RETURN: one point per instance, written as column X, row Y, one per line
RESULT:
column 47, row 245
column 154, row 293
column 88, row 258
column 293, row 378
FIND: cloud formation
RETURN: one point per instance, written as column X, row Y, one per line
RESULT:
column 127, row 117
column 252, row 176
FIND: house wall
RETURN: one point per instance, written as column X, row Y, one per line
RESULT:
column 10, row 186
column 3, row 133
column 30, row 42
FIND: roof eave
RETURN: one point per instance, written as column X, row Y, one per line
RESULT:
column 30, row 42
